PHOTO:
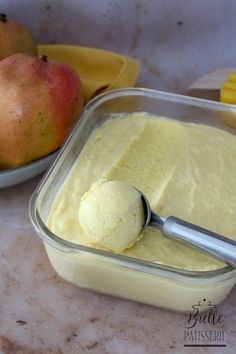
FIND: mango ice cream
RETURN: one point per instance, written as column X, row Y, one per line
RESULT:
column 111, row 214
column 187, row 170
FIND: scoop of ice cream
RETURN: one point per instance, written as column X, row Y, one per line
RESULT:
column 111, row 214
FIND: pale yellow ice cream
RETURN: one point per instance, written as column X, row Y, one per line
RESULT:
column 184, row 169
column 111, row 215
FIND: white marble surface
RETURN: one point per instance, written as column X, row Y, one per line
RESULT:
column 176, row 41
column 41, row 313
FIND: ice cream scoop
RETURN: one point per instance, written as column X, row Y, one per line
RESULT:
column 111, row 215
column 175, row 228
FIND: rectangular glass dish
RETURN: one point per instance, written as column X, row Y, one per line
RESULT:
column 120, row 275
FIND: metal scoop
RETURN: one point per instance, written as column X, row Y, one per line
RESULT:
column 178, row 229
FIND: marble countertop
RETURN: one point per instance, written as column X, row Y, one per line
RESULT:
column 176, row 41
column 41, row 313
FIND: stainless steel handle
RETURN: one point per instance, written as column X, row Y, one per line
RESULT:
column 208, row 241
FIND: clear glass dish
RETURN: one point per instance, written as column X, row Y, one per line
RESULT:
column 120, row 275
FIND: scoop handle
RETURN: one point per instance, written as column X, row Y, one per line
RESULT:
column 208, row 241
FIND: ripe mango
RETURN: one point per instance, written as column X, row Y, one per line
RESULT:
column 39, row 102
column 15, row 38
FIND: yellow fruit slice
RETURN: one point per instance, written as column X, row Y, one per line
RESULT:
column 229, row 85
column 228, row 96
column 228, row 90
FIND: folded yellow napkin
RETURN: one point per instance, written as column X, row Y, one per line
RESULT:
column 99, row 70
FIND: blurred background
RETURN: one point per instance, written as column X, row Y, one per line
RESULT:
column 176, row 40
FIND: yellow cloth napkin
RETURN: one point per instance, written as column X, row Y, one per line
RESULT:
column 99, row 70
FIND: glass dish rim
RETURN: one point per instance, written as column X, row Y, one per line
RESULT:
column 127, row 261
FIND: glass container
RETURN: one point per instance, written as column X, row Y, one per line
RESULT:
column 120, row 275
